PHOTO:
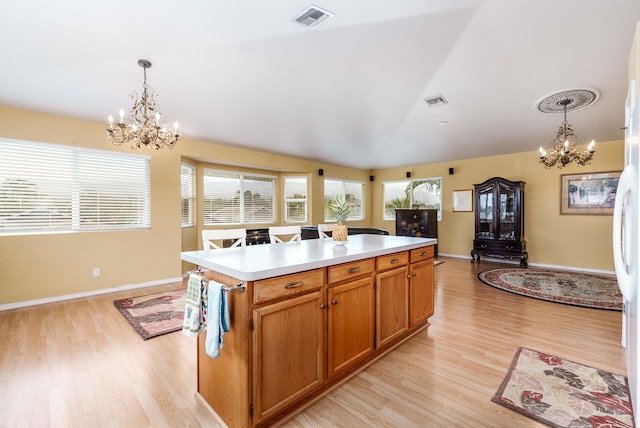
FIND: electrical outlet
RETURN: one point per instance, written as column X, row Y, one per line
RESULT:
column 96, row 272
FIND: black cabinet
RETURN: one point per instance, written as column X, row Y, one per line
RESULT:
column 422, row 223
column 499, row 220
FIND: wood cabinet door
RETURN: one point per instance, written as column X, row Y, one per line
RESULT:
column 421, row 304
column 350, row 324
column 288, row 353
column 392, row 301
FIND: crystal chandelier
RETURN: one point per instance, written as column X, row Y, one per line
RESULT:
column 143, row 128
column 564, row 145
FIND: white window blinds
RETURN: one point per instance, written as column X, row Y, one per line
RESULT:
column 188, row 195
column 352, row 191
column 237, row 198
column 295, row 199
column 47, row 187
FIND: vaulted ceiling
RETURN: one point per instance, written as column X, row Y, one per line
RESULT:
column 350, row 91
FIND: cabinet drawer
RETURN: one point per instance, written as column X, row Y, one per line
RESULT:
column 421, row 254
column 498, row 246
column 350, row 270
column 391, row 261
column 287, row 285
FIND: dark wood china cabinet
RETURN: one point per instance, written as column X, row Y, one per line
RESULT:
column 499, row 218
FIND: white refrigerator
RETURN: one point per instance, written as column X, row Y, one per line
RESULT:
column 626, row 230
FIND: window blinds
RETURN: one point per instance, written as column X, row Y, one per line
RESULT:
column 47, row 187
column 188, row 195
column 237, row 198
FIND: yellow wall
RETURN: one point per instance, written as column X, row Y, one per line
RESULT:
column 42, row 266
column 576, row 241
column 47, row 265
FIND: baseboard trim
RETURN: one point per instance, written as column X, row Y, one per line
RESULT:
column 26, row 303
column 540, row 265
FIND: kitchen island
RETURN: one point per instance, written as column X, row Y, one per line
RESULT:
column 311, row 314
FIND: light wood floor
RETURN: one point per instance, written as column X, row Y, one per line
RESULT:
column 78, row 363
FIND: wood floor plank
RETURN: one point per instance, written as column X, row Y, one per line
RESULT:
column 79, row 363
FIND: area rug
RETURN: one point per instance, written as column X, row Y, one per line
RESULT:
column 572, row 288
column 152, row 315
column 561, row 393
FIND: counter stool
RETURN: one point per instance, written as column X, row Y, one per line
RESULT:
column 275, row 232
column 208, row 236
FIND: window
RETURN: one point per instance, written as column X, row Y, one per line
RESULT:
column 223, row 203
column 188, row 195
column 48, row 187
column 295, row 199
column 420, row 193
column 352, row 191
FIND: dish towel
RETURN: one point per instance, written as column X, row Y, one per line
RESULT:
column 218, row 322
column 195, row 307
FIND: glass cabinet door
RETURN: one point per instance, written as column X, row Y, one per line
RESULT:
column 507, row 218
column 485, row 214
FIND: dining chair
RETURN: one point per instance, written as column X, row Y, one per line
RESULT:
column 209, row 236
column 275, row 233
column 324, row 228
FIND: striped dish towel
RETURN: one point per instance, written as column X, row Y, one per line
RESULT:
column 195, row 307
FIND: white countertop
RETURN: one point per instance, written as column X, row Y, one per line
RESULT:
column 255, row 262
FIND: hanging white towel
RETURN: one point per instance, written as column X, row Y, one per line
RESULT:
column 218, row 321
column 195, row 307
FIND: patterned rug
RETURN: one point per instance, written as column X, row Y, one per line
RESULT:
column 561, row 393
column 572, row 288
column 154, row 314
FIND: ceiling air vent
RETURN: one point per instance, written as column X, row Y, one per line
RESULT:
column 313, row 16
column 436, row 101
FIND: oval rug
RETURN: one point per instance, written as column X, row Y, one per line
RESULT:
column 572, row 288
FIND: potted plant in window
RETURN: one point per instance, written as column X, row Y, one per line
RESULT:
column 340, row 208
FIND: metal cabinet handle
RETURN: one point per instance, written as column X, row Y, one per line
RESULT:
column 393, row 261
column 355, row 269
column 422, row 254
column 334, row 302
column 294, row 285
column 322, row 306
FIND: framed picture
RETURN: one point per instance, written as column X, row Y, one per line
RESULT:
column 462, row 200
column 591, row 194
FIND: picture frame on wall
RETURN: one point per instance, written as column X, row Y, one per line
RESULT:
column 463, row 200
column 588, row 194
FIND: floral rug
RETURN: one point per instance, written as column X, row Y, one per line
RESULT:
column 573, row 288
column 561, row 393
column 154, row 314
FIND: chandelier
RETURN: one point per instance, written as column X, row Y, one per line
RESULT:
column 143, row 128
column 564, row 145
